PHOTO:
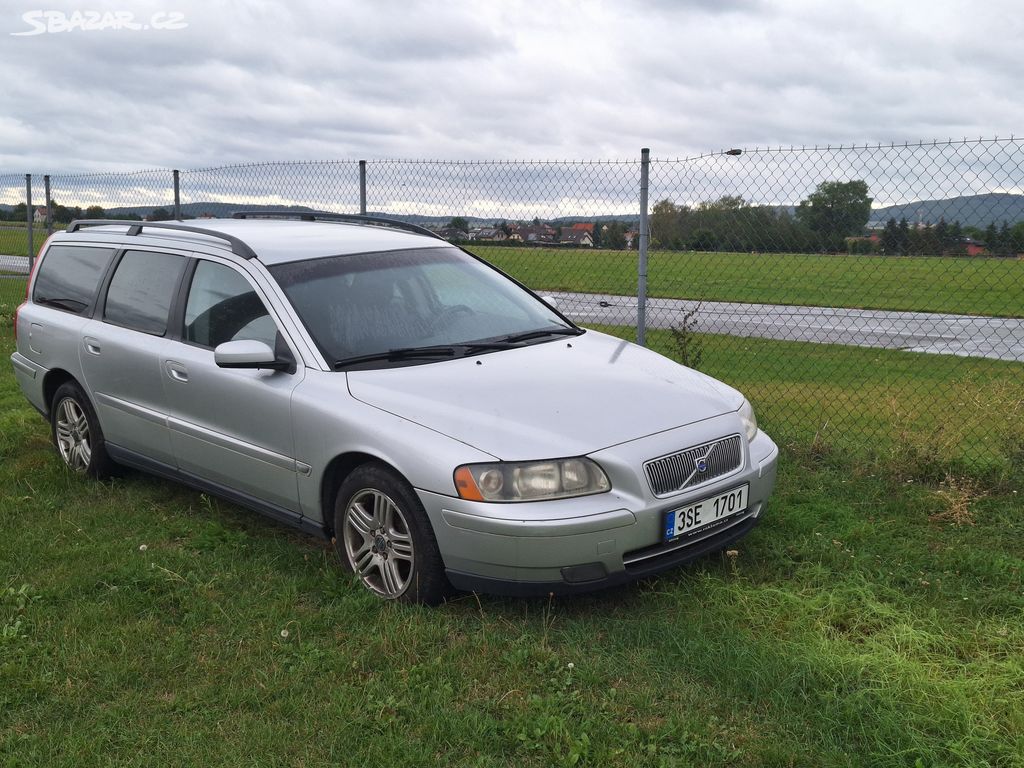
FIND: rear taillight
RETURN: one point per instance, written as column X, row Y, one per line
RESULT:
column 16, row 311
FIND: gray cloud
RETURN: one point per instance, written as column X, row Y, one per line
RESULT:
column 469, row 80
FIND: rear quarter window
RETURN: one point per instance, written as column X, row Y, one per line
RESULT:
column 69, row 277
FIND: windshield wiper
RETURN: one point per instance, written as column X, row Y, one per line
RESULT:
column 439, row 350
column 541, row 333
column 406, row 353
column 480, row 346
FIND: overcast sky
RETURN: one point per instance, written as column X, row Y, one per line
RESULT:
column 251, row 81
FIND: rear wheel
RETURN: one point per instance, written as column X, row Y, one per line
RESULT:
column 383, row 535
column 76, row 432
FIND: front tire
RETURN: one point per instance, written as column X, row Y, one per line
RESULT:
column 382, row 534
column 76, row 432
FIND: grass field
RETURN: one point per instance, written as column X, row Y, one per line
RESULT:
column 12, row 293
column 872, row 402
column 984, row 286
column 145, row 624
column 14, row 238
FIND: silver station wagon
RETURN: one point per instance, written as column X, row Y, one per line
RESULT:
column 366, row 381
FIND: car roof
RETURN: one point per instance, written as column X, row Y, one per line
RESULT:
column 274, row 241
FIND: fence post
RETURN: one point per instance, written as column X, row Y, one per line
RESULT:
column 362, row 187
column 641, row 288
column 49, row 208
column 29, row 215
column 177, row 196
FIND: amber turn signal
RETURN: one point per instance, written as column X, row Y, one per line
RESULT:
column 466, row 485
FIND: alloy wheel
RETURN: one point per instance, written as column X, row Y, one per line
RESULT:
column 378, row 543
column 73, row 437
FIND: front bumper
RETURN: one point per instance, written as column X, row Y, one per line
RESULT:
column 592, row 576
column 593, row 542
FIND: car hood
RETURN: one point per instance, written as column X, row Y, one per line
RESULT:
column 567, row 397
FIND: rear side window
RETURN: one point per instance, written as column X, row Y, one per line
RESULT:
column 141, row 291
column 69, row 276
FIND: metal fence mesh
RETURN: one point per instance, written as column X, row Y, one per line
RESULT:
column 860, row 295
column 760, row 251
column 326, row 186
column 113, row 195
column 521, row 216
column 13, row 242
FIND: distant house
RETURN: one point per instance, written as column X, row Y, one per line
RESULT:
column 973, row 247
column 492, row 234
column 584, row 226
column 40, row 215
column 630, row 236
column 861, row 245
column 578, row 237
column 535, row 233
column 451, row 233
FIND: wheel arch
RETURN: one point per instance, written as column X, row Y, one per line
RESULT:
column 53, row 381
column 339, row 468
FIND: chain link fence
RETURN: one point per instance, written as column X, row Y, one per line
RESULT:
column 862, row 296
column 14, row 245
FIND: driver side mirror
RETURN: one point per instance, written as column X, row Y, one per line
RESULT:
column 248, row 353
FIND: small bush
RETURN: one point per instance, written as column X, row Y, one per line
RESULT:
column 689, row 346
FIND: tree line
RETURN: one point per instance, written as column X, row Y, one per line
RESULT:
column 832, row 219
column 65, row 214
column 833, row 212
column 947, row 239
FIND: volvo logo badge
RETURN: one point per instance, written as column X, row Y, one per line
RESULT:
column 700, row 466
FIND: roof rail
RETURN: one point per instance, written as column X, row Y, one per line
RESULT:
column 238, row 247
column 350, row 218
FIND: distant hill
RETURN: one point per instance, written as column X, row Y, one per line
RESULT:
column 971, row 211
column 199, row 209
column 226, row 209
column 476, row 221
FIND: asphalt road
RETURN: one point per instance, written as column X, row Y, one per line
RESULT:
column 963, row 335
column 17, row 264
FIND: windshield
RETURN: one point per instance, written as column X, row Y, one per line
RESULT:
column 373, row 304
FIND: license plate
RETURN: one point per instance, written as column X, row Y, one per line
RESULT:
column 705, row 512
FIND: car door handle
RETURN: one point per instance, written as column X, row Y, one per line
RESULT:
column 176, row 371
column 92, row 346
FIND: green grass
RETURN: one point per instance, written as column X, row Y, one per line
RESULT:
column 145, row 624
column 871, row 401
column 14, row 238
column 984, row 286
column 12, row 293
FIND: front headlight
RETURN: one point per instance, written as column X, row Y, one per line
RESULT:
column 530, row 480
column 748, row 418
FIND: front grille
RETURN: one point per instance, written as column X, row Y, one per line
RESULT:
column 674, row 473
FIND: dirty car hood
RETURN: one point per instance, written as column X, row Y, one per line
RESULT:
column 567, row 397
